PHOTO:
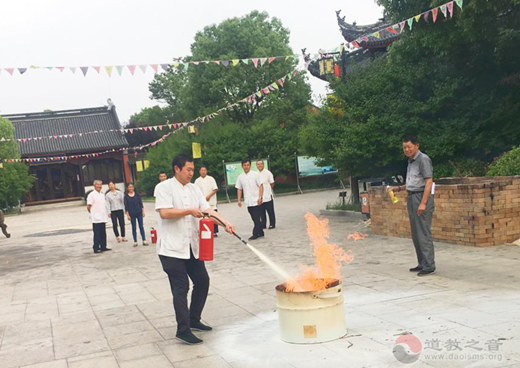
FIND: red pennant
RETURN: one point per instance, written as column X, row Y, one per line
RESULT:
column 155, row 67
column 10, row 70
column 97, row 69
column 450, row 8
column 426, row 16
column 255, row 62
column 435, row 12
column 271, row 59
column 60, row 68
column 391, row 30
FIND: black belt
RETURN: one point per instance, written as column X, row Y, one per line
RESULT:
column 416, row 192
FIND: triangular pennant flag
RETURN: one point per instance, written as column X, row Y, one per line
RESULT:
column 418, row 18
column 155, row 67
column 225, row 62
column 72, row 69
column 275, row 85
column 131, row 68
column 195, row 62
column 262, row 61
column 235, row 62
column 270, row 87
column 49, row 67
column 84, row 70
column 376, row 35
column 109, row 69
column 391, row 30
column 444, row 10
column 410, row 23
column 259, row 94
column 10, row 70
column 164, row 67
column 255, row 62
column 245, row 61
column 355, row 44
column 402, row 25
column 460, row 3
column 97, row 69
column 22, row 70
column 60, row 68
column 216, row 62
column 450, row 8
column 143, row 68
column 271, row 59
column 119, row 69
column 435, row 12
column 176, row 65
column 426, row 16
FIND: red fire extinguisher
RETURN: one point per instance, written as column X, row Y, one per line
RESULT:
column 206, row 239
column 154, row 235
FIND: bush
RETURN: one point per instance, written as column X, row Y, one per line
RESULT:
column 459, row 168
column 506, row 165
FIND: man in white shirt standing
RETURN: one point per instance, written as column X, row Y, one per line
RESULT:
column 180, row 204
column 97, row 207
column 250, row 184
column 162, row 177
column 268, row 203
column 209, row 188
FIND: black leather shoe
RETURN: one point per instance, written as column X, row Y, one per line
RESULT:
column 215, row 235
column 106, row 249
column 199, row 326
column 416, row 269
column 254, row 237
column 271, row 227
column 425, row 273
column 188, row 338
column 97, row 251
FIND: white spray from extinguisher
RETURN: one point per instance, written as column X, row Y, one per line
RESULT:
column 262, row 256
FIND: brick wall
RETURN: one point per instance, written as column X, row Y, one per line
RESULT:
column 469, row 211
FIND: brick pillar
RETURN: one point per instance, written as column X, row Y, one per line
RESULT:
column 126, row 166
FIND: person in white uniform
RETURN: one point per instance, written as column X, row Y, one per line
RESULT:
column 267, row 179
column 97, row 207
column 209, row 188
column 180, row 204
column 250, row 184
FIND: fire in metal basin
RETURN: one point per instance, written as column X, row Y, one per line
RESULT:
column 310, row 317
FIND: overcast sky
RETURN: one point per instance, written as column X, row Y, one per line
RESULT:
column 128, row 32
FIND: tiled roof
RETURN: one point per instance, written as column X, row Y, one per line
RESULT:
column 47, row 124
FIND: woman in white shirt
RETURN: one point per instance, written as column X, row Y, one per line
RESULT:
column 116, row 210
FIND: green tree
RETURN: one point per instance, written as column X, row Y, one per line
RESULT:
column 15, row 180
column 452, row 83
column 506, row 165
column 269, row 126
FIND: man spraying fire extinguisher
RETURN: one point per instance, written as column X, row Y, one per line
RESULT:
column 181, row 205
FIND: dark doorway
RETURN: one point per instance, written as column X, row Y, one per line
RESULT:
column 54, row 182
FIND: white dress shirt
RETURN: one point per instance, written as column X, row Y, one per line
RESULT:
column 174, row 236
column 208, row 185
column 267, row 179
column 250, row 184
column 98, row 211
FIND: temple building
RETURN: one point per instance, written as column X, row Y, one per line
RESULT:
column 67, row 151
column 339, row 63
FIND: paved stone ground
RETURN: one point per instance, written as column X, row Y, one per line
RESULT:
column 63, row 306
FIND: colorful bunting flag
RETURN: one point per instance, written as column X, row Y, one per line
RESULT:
column 450, row 8
column 460, row 3
column 84, row 70
column 444, row 10
column 435, row 12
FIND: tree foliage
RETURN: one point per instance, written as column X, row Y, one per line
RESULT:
column 506, row 165
column 453, row 83
column 269, row 126
column 15, row 180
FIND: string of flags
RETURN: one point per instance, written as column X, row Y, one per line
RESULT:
column 177, row 126
column 275, row 86
column 85, row 155
column 447, row 10
column 155, row 68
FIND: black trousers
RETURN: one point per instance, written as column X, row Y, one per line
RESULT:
column 256, row 216
column 268, row 207
column 118, row 216
column 178, row 271
column 100, row 236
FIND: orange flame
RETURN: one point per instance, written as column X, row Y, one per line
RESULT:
column 329, row 259
column 357, row 236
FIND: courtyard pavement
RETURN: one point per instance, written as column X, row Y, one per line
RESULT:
column 62, row 306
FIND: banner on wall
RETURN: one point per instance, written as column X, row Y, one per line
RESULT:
column 308, row 166
column 234, row 169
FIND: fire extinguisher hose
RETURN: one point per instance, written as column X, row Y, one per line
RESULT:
column 283, row 275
